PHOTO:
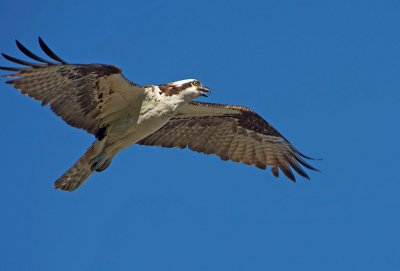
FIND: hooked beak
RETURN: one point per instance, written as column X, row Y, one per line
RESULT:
column 205, row 91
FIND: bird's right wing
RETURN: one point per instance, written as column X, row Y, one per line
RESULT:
column 233, row 133
column 87, row 96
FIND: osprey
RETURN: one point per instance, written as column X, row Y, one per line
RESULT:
column 119, row 113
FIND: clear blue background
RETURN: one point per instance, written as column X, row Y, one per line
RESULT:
column 326, row 74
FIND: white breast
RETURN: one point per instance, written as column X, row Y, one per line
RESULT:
column 155, row 112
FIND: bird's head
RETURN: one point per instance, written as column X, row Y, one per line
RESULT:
column 188, row 89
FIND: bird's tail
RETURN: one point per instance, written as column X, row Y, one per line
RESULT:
column 76, row 175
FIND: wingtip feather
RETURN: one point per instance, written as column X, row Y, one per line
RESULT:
column 21, row 62
column 49, row 52
column 28, row 53
column 12, row 69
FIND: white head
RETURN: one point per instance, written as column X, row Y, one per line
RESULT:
column 188, row 89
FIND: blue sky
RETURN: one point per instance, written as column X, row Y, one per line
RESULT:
column 324, row 73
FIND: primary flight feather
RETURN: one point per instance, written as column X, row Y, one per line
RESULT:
column 119, row 113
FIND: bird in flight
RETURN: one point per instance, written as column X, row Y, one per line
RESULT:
column 119, row 113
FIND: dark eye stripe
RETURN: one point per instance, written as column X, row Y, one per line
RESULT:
column 170, row 90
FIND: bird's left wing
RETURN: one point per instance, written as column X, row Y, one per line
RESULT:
column 233, row 133
column 86, row 96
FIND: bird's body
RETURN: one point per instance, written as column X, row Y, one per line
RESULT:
column 150, row 110
column 97, row 98
column 154, row 111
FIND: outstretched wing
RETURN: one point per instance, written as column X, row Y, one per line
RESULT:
column 233, row 133
column 87, row 96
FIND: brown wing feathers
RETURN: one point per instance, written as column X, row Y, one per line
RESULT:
column 242, row 136
column 72, row 91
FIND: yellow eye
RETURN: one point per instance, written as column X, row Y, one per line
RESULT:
column 196, row 83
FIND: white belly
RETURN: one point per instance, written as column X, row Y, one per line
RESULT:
column 126, row 132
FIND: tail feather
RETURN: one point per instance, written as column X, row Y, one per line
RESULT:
column 79, row 172
column 73, row 178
